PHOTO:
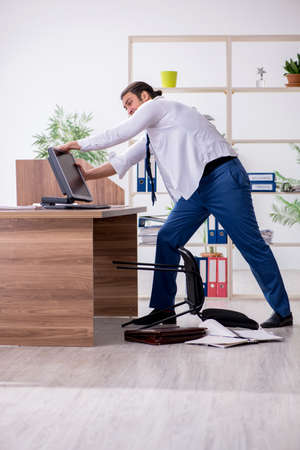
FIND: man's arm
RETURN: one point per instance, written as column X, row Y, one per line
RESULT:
column 103, row 171
column 146, row 116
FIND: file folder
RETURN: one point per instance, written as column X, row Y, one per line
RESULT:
column 211, row 230
column 263, row 186
column 141, row 176
column 202, row 264
column 153, row 171
column 221, row 234
column 261, row 176
column 221, row 277
column 212, row 277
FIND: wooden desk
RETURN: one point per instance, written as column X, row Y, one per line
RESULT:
column 56, row 273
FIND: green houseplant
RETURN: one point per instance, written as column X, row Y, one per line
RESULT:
column 285, row 212
column 292, row 68
column 64, row 127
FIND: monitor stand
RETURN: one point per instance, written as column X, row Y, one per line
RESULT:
column 52, row 201
column 67, row 203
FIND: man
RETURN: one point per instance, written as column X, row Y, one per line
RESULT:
column 203, row 176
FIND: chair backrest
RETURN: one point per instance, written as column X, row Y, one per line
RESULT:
column 194, row 284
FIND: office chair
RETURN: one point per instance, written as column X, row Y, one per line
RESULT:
column 194, row 286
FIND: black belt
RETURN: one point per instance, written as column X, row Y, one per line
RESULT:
column 212, row 165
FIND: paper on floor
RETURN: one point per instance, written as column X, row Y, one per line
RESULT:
column 220, row 336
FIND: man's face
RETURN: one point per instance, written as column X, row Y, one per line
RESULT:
column 131, row 102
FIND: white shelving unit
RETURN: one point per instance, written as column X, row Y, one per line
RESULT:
column 228, row 91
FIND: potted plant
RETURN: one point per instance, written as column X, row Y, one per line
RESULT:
column 64, row 127
column 35, row 178
column 293, row 72
column 285, row 212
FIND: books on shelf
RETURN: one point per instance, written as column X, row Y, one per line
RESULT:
column 215, row 231
column 262, row 181
column 148, row 235
column 213, row 271
column 149, row 227
column 143, row 183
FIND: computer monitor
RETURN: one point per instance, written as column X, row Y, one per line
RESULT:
column 69, row 177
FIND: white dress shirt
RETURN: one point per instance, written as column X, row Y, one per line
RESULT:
column 182, row 140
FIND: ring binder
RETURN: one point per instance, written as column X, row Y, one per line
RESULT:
column 141, row 176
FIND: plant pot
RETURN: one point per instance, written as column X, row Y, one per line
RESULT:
column 168, row 78
column 293, row 79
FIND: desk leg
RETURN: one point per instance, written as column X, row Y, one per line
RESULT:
column 46, row 282
column 115, row 291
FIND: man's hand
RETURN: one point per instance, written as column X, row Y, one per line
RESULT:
column 82, row 170
column 72, row 145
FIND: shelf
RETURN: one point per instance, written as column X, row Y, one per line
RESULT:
column 225, row 89
column 189, row 244
column 255, row 192
column 285, row 244
column 149, row 193
column 275, row 193
column 180, row 298
column 216, row 38
column 264, row 141
column 265, row 89
column 227, row 42
column 200, row 244
column 256, row 297
column 193, row 90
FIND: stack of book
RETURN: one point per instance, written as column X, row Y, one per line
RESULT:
column 148, row 235
column 149, row 227
column 262, row 181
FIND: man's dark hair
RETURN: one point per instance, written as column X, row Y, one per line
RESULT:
column 137, row 87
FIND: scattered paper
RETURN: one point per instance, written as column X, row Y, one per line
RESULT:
column 219, row 341
column 222, row 337
column 259, row 335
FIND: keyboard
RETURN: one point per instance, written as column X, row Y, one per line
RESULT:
column 70, row 206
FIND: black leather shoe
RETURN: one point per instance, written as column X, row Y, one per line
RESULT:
column 155, row 316
column 276, row 321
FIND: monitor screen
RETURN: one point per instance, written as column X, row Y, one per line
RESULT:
column 68, row 175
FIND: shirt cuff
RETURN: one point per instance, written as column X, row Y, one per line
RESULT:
column 118, row 164
column 84, row 144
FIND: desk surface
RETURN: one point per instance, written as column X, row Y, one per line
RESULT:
column 80, row 213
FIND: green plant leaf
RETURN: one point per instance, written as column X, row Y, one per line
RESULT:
column 63, row 127
column 297, row 148
column 292, row 66
column 288, row 213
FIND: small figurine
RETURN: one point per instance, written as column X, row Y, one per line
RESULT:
column 260, row 82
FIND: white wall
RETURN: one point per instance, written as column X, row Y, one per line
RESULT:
column 74, row 54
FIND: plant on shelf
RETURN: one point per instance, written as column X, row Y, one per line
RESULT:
column 292, row 69
column 287, row 213
column 285, row 183
column 64, row 127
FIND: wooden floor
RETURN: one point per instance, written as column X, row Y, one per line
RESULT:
column 120, row 395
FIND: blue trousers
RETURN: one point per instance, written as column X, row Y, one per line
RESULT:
column 226, row 194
